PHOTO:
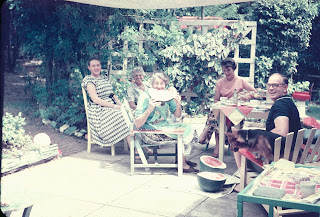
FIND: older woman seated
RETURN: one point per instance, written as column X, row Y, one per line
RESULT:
column 151, row 113
column 137, row 87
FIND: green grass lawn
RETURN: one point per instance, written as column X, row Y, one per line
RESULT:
column 314, row 111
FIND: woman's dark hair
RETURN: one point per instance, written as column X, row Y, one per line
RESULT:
column 229, row 62
column 93, row 58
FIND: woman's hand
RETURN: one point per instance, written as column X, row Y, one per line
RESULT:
column 152, row 104
column 177, row 98
column 117, row 106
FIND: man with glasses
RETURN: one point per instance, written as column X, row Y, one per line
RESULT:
column 284, row 115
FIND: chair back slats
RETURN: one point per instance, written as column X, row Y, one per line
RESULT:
column 318, row 158
column 277, row 146
column 308, row 145
column 127, row 113
column 288, row 145
column 85, row 100
column 299, row 141
column 315, row 151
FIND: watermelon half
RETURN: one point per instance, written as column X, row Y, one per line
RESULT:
column 211, row 182
column 211, row 164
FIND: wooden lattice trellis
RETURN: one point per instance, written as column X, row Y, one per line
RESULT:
column 205, row 25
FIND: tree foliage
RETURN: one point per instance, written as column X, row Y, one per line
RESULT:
column 64, row 35
column 192, row 60
column 195, row 59
column 284, row 30
column 309, row 63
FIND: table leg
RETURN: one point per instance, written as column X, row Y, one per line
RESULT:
column 8, row 213
column 27, row 211
column 180, row 167
column 270, row 211
column 239, row 209
column 222, row 124
column 141, row 153
column 243, row 173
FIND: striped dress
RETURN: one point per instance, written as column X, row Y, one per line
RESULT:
column 107, row 124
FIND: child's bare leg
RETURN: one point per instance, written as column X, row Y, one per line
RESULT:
column 216, row 148
column 203, row 135
column 237, row 157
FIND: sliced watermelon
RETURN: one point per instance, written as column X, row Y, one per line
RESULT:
column 210, row 181
column 161, row 95
column 211, row 164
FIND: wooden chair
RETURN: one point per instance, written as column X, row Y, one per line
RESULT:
column 310, row 155
column 137, row 143
column 310, row 93
column 90, row 141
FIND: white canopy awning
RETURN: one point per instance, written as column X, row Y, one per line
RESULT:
column 156, row 4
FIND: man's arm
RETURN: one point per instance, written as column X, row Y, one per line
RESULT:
column 281, row 124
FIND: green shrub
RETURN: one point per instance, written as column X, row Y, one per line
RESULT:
column 64, row 104
column 263, row 69
column 193, row 60
column 192, row 108
column 13, row 134
column 284, row 29
column 299, row 86
column 120, row 85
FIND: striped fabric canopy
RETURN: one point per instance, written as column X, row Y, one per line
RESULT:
column 156, row 4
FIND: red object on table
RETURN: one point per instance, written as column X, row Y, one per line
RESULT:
column 302, row 96
column 251, row 157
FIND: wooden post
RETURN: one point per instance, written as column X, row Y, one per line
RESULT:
column 125, row 59
column 202, row 12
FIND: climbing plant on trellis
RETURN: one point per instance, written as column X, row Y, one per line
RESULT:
column 190, row 52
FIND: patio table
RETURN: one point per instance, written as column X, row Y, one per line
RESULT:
column 235, row 115
column 246, row 196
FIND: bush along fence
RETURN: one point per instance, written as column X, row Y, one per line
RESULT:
column 19, row 150
column 66, row 129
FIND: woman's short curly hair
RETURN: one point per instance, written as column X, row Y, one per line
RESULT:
column 229, row 62
column 161, row 76
column 138, row 69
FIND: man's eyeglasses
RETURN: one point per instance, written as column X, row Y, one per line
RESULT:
column 273, row 85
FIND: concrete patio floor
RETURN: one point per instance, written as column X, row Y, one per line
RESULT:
column 96, row 185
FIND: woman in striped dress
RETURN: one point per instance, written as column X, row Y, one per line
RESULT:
column 104, row 108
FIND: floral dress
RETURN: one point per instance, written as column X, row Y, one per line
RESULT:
column 107, row 125
column 159, row 119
